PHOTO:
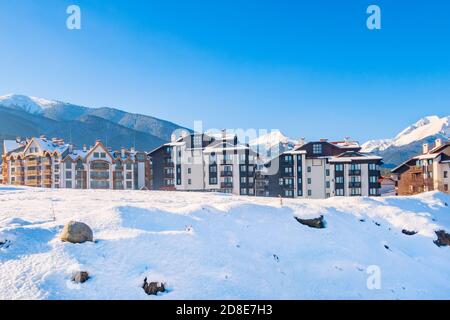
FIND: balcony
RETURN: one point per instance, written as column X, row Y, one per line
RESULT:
column 32, row 163
column 226, row 185
column 226, row 173
column 354, row 172
column 354, row 185
column 226, row 161
column 32, row 172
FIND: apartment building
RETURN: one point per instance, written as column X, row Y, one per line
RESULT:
column 426, row 172
column 40, row 162
column 204, row 162
column 319, row 170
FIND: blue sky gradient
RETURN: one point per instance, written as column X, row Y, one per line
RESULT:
column 309, row 68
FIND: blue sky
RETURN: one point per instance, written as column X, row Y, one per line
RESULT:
column 309, row 68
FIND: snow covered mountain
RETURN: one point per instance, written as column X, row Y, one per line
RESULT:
column 25, row 116
column 272, row 143
column 424, row 128
column 28, row 104
column 409, row 141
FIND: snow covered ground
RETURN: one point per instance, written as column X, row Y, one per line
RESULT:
column 212, row 246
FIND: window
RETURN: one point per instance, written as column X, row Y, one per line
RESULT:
column 189, row 181
column 373, row 191
column 69, row 184
column 243, row 180
column 128, row 166
column 129, row 185
column 299, row 180
column 68, row 165
column 102, row 155
column 309, row 181
column 317, row 148
column 328, row 195
column 309, row 193
column 355, row 166
column 189, row 170
column 339, row 179
column 340, row 192
column 445, row 174
column 339, row 167
column 289, row 182
column 446, row 187
column 250, row 179
column 213, row 169
column 309, row 169
column 213, row 180
column 251, row 191
column 327, row 172
column 355, row 191
column 328, row 184
column 242, row 157
column 198, row 141
column 243, row 168
column 288, row 193
column 288, row 170
column 96, row 155
column 357, row 179
column 373, row 166
column 299, row 168
column 373, row 179
column 300, row 193
column 281, row 182
column 68, row 175
column 288, row 158
column 128, row 176
column 212, row 158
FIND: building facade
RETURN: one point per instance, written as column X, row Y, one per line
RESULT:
column 40, row 162
column 319, row 170
column 202, row 162
column 426, row 172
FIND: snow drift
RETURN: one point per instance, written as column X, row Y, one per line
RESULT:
column 213, row 246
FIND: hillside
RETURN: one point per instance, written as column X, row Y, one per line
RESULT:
column 212, row 246
column 30, row 116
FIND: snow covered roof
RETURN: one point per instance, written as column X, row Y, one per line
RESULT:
column 11, row 145
column 218, row 146
column 354, row 156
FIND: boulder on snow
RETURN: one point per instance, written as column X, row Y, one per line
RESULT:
column 153, row 288
column 80, row 277
column 443, row 238
column 318, row 223
column 409, row 233
column 76, row 232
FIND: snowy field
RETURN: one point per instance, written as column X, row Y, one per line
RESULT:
column 212, row 246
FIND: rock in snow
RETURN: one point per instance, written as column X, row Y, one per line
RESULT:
column 76, row 232
column 80, row 277
column 318, row 223
column 443, row 238
column 153, row 288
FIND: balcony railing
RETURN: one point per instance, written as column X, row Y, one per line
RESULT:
column 226, row 185
column 354, row 185
column 354, row 172
column 226, row 173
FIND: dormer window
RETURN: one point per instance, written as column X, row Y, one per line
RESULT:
column 317, row 148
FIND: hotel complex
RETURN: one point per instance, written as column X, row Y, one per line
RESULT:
column 220, row 163
column 40, row 162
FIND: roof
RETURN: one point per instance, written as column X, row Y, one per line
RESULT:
column 346, row 144
column 11, row 145
column 350, row 156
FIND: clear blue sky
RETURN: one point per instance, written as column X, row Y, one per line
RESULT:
column 308, row 68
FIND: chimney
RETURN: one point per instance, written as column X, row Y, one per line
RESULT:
column 425, row 148
column 438, row 143
column 173, row 137
column 18, row 139
column 122, row 152
column 132, row 150
column 70, row 148
column 84, row 148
